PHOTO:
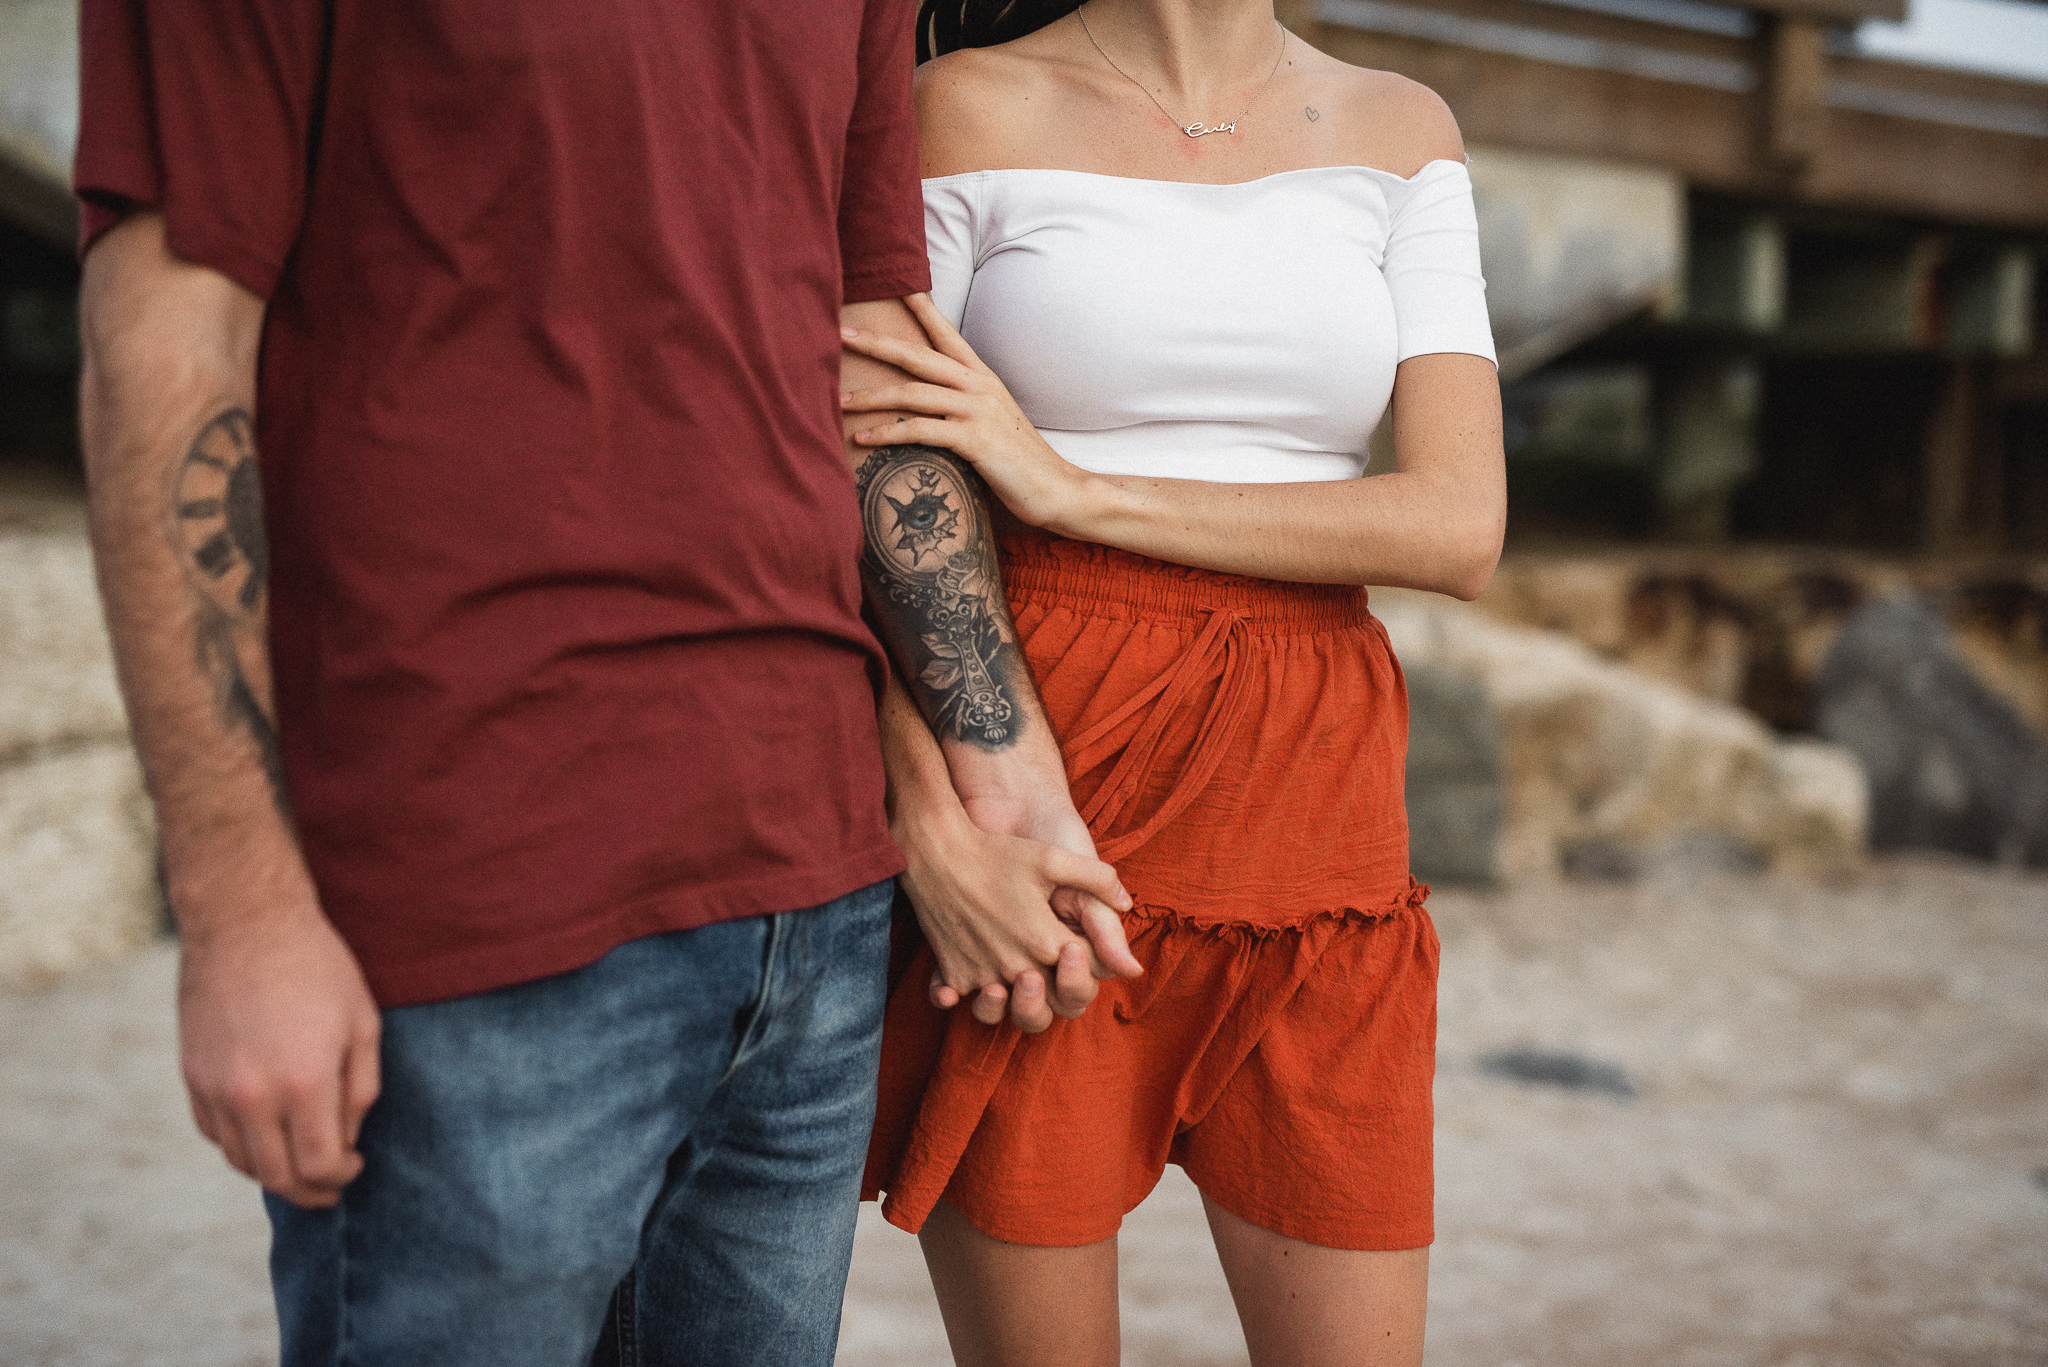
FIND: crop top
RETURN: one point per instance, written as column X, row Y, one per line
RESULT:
column 1241, row 333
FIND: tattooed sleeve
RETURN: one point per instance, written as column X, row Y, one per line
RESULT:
column 931, row 569
column 217, row 529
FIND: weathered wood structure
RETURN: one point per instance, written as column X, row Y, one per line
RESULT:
column 1846, row 344
column 1747, row 282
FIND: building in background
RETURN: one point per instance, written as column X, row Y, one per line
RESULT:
column 1764, row 273
column 38, row 278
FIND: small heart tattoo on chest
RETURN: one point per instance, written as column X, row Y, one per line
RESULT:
column 1312, row 115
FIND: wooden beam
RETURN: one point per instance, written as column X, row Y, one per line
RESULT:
column 1795, row 93
column 1704, row 134
column 1981, row 162
column 1833, row 11
column 1946, row 482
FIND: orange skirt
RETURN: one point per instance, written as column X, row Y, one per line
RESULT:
column 1237, row 748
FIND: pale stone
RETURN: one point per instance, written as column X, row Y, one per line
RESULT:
column 1827, row 802
column 77, row 861
column 1597, row 753
column 56, row 670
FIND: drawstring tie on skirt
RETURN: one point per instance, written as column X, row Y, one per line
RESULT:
column 1218, row 654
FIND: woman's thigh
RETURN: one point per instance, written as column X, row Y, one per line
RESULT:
column 1303, row 1305
column 1019, row 1305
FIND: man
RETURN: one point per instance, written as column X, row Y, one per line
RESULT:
column 513, row 734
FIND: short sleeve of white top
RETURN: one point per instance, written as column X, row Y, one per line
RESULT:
column 1240, row 333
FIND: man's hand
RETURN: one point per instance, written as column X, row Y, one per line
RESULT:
column 1000, row 906
column 279, row 1045
column 1050, row 819
column 984, row 902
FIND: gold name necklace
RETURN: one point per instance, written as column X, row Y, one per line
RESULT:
column 1193, row 130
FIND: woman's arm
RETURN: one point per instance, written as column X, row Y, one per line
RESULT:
column 1002, row 870
column 1434, row 522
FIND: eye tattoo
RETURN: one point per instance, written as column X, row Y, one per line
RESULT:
column 927, row 519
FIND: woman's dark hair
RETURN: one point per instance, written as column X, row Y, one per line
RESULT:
column 948, row 25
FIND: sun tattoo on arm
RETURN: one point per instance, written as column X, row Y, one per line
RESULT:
column 930, row 563
column 217, row 528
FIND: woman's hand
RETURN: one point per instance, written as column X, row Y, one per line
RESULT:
column 1057, row 824
column 994, row 932
column 968, row 412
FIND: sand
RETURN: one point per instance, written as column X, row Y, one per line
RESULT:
column 1836, row 1150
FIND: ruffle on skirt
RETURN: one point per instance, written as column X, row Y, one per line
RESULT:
column 1089, row 1110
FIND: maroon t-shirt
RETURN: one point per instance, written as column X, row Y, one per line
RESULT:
column 564, row 605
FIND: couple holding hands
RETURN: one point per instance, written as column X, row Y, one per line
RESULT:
column 477, row 548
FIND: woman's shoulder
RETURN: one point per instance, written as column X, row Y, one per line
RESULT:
column 1015, row 105
column 978, row 106
column 1384, row 119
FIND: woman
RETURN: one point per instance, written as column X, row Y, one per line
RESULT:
column 1201, row 323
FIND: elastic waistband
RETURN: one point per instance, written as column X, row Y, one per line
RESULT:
column 1039, row 567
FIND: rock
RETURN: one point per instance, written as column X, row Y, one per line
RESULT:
column 77, row 861
column 1554, row 1068
column 58, row 670
column 1751, row 625
column 1454, row 783
column 1679, row 856
column 1951, row 765
column 1738, row 626
column 1596, row 753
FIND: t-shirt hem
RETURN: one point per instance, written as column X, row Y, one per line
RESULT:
column 1446, row 346
column 467, row 972
column 254, row 272
column 890, row 281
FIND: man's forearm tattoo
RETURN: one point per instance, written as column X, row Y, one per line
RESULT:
column 931, row 567
column 217, row 527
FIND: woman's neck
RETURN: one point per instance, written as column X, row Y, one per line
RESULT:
column 1193, row 55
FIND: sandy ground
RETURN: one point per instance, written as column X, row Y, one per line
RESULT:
column 1837, row 1150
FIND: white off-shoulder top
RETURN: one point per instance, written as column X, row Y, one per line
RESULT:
column 1240, row 333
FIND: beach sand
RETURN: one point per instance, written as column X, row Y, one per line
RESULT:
column 1820, row 1137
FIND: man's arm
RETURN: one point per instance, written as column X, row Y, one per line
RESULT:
column 978, row 791
column 278, row 1030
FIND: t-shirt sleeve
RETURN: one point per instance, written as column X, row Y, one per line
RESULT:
column 204, row 112
column 949, row 236
column 1431, row 266
column 881, row 231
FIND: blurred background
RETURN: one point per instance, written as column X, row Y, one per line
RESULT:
column 1734, row 787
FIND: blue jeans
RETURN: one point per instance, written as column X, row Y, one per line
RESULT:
column 675, row 1132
